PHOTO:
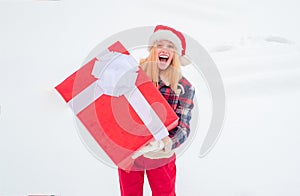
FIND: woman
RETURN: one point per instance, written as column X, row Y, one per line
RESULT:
column 158, row 158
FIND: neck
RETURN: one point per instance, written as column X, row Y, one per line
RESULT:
column 164, row 78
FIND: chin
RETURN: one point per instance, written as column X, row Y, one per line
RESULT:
column 163, row 67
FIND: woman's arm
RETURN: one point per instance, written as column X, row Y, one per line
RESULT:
column 183, row 111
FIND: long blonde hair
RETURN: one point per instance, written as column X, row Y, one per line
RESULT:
column 172, row 74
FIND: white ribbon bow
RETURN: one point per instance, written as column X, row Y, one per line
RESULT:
column 116, row 73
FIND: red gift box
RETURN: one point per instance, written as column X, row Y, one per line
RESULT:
column 123, row 123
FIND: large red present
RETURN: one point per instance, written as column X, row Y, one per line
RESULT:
column 118, row 104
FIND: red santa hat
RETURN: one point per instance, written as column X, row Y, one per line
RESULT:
column 162, row 32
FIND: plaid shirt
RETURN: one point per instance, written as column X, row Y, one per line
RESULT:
column 182, row 104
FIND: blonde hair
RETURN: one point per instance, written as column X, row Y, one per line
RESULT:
column 172, row 74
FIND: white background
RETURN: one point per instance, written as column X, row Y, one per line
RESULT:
column 255, row 45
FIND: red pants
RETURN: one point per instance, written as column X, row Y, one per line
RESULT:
column 161, row 179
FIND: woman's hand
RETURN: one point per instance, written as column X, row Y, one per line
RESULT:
column 156, row 149
column 165, row 152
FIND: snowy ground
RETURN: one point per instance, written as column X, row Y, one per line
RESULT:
column 254, row 44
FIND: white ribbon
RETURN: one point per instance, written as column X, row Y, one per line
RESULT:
column 117, row 75
column 147, row 114
column 85, row 98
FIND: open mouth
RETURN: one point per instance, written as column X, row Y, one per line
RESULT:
column 163, row 58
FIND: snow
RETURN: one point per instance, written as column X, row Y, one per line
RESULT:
column 255, row 46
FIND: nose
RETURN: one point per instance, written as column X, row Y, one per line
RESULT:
column 164, row 49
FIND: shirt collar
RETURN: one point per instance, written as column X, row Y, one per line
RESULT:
column 161, row 83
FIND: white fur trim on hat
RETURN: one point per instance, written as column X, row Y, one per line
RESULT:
column 166, row 35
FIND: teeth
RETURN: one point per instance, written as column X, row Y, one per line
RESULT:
column 163, row 56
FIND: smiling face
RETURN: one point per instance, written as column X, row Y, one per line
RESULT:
column 164, row 53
